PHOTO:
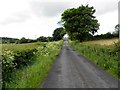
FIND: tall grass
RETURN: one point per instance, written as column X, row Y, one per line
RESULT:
column 105, row 56
column 32, row 75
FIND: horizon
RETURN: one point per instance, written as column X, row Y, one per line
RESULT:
column 34, row 18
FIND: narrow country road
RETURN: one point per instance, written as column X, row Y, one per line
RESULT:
column 72, row 70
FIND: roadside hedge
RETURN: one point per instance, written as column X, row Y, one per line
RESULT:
column 12, row 61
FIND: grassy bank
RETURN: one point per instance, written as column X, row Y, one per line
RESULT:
column 101, row 53
column 32, row 75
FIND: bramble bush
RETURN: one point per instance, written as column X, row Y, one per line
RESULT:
column 24, row 57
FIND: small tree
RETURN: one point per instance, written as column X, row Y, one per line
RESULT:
column 58, row 33
column 116, row 32
column 50, row 39
column 42, row 39
column 22, row 40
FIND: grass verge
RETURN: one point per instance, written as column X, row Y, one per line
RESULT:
column 105, row 56
column 33, row 75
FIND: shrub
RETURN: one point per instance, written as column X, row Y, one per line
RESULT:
column 117, row 46
column 12, row 61
column 117, row 49
column 7, row 65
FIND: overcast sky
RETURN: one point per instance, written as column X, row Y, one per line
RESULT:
column 34, row 18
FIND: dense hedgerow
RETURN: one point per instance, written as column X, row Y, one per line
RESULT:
column 27, row 65
column 12, row 61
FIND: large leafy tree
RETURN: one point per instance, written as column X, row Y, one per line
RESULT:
column 58, row 33
column 80, row 22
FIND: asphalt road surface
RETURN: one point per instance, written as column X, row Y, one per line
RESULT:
column 73, row 70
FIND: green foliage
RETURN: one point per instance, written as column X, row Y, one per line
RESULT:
column 58, row 33
column 50, row 39
column 80, row 22
column 117, row 49
column 116, row 32
column 24, row 40
column 109, row 35
column 117, row 27
column 24, row 57
column 7, row 66
column 106, row 36
column 16, row 56
column 104, row 56
column 42, row 39
column 8, row 40
column 45, row 39
column 33, row 74
column 11, row 61
column 117, row 46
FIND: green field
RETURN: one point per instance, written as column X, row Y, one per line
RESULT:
column 105, row 42
column 19, row 47
column 34, row 60
column 101, row 52
column 34, row 63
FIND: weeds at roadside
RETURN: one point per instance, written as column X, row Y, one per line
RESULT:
column 30, row 75
column 104, row 56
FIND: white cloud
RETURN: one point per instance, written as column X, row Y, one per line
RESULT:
column 30, row 18
column 8, row 7
column 16, row 17
column 49, row 9
column 108, row 21
column 34, row 27
column 105, row 6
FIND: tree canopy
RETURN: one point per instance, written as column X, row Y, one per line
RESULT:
column 80, row 22
column 58, row 33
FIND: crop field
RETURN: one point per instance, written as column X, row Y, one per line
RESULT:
column 103, row 53
column 19, row 47
column 105, row 42
column 26, row 65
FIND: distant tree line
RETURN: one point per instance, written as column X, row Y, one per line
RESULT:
column 24, row 40
column 79, row 23
column 106, row 36
column 58, row 34
column 8, row 40
column 45, row 39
